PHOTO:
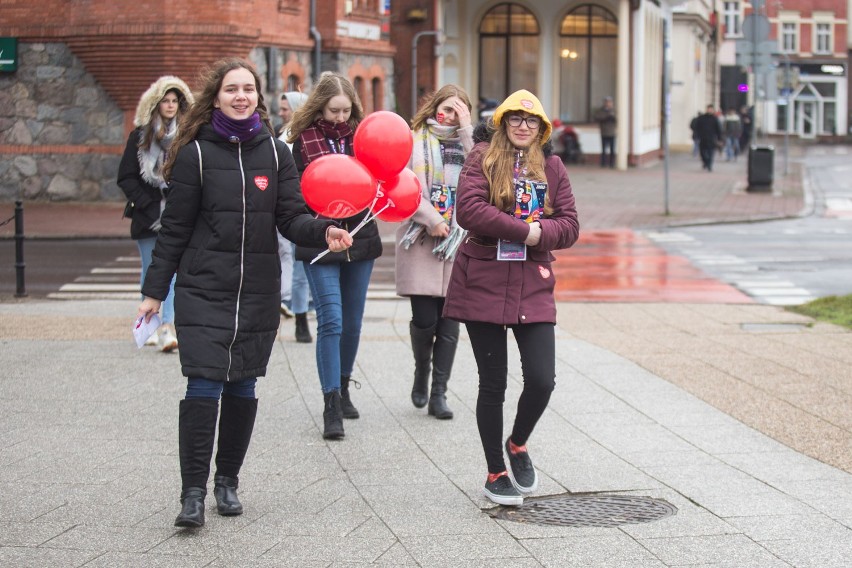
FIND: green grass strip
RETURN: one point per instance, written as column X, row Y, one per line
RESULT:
column 831, row 309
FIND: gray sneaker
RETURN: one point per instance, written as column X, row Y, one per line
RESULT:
column 502, row 492
column 521, row 470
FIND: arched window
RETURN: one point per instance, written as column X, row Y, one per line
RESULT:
column 358, row 83
column 588, row 60
column 508, row 51
column 378, row 95
column 292, row 83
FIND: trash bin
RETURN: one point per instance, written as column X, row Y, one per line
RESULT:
column 761, row 165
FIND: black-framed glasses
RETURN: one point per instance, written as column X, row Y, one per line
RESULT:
column 515, row 121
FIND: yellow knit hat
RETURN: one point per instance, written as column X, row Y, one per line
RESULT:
column 524, row 100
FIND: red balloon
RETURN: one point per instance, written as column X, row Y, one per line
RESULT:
column 383, row 143
column 401, row 195
column 338, row 186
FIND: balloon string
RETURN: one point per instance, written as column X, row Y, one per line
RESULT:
column 360, row 225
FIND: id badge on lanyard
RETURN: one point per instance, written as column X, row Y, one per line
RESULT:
column 507, row 250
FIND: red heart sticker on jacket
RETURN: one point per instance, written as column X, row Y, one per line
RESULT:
column 261, row 182
column 545, row 273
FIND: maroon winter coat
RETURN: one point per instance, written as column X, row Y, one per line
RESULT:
column 485, row 289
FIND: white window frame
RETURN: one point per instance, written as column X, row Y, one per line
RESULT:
column 787, row 29
column 733, row 14
column 823, row 32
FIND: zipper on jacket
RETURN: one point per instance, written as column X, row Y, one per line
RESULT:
column 242, row 260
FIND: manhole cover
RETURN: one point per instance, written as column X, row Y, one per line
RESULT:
column 587, row 511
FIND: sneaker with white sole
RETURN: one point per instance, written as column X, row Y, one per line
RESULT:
column 521, row 470
column 166, row 340
column 286, row 311
column 502, row 491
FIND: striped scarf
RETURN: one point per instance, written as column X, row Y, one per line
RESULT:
column 437, row 159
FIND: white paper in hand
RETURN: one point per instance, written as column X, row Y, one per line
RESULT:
column 142, row 329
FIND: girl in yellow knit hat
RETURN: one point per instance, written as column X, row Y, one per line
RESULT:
column 515, row 200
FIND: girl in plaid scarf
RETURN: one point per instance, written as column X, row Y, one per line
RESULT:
column 324, row 125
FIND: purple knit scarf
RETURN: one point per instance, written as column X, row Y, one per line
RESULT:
column 235, row 131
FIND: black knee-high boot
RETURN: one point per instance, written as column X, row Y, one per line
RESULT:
column 196, row 430
column 422, row 340
column 236, row 423
column 443, row 355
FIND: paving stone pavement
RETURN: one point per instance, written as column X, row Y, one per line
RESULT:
column 88, row 459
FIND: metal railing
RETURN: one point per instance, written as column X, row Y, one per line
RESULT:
column 18, row 217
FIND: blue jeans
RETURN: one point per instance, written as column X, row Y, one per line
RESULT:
column 732, row 147
column 199, row 387
column 300, row 293
column 167, row 309
column 340, row 293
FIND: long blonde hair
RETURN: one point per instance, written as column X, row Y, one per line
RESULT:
column 498, row 165
column 201, row 112
column 330, row 85
column 430, row 106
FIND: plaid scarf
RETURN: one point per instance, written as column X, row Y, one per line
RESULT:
column 316, row 139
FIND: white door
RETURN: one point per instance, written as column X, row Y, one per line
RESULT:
column 808, row 119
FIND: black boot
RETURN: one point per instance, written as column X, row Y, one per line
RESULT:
column 444, row 352
column 332, row 417
column 192, row 508
column 346, row 407
column 225, row 492
column 421, row 344
column 196, row 430
column 303, row 332
column 236, row 423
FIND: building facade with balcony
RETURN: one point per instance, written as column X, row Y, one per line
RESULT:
column 572, row 54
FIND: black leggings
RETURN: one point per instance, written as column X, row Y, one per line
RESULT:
column 537, row 345
column 426, row 310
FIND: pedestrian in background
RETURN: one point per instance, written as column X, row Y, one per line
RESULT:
column 443, row 137
column 295, row 291
column 515, row 199
column 709, row 133
column 140, row 177
column 747, row 120
column 605, row 117
column 233, row 187
column 325, row 125
column 695, row 145
column 733, row 132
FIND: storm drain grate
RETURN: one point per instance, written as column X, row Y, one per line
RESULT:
column 587, row 510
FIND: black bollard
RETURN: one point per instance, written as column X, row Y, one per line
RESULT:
column 20, row 289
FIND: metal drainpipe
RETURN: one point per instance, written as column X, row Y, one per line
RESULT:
column 317, row 41
column 417, row 36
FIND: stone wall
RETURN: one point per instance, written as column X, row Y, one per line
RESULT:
column 61, row 136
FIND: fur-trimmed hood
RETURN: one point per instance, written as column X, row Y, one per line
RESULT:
column 485, row 130
column 155, row 93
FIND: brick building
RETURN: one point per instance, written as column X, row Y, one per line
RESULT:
column 82, row 65
column 812, row 36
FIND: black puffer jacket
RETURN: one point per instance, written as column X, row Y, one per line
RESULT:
column 219, row 235
column 145, row 197
column 367, row 243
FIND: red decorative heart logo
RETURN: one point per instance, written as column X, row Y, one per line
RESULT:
column 262, row 182
column 545, row 273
